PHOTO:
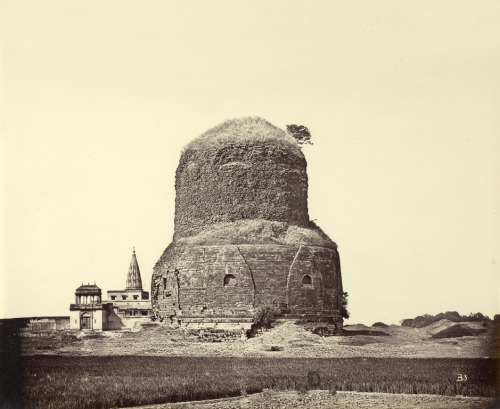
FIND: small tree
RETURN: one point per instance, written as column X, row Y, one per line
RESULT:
column 343, row 307
column 300, row 133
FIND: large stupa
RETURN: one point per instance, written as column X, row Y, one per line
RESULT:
column 243, row 238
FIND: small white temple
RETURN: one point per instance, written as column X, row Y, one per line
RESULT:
column 132, row 302
column 128, row 308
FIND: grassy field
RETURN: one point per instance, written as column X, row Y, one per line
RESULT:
column 120, row 381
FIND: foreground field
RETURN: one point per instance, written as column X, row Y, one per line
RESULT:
column 158, row 366
column 121, row 381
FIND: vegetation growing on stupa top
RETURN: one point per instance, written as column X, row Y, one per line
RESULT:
column 300, row 133
column 248, row 130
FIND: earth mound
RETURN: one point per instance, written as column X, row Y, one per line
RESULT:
column 439, row 326
column 459, row 330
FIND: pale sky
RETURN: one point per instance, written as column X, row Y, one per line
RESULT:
column 402, row 99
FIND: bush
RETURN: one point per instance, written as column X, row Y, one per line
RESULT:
column 314, row 382
column 332, row 388
column 267, row 313
column 313, row 379
column 302, row 389
column 300, row 133
column 380, row 324
column 343, row 308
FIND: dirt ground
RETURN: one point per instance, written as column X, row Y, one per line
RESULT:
column 285, row 340
column 345, row 400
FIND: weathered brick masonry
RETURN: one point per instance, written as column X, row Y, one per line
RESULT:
column 242, row 236
column 240, row 181
column 223, row 282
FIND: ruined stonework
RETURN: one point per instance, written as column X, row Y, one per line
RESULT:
column 243, row 238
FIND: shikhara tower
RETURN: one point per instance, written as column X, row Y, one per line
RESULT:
column 133, row 301
column 134, row 281
column 243, row 237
